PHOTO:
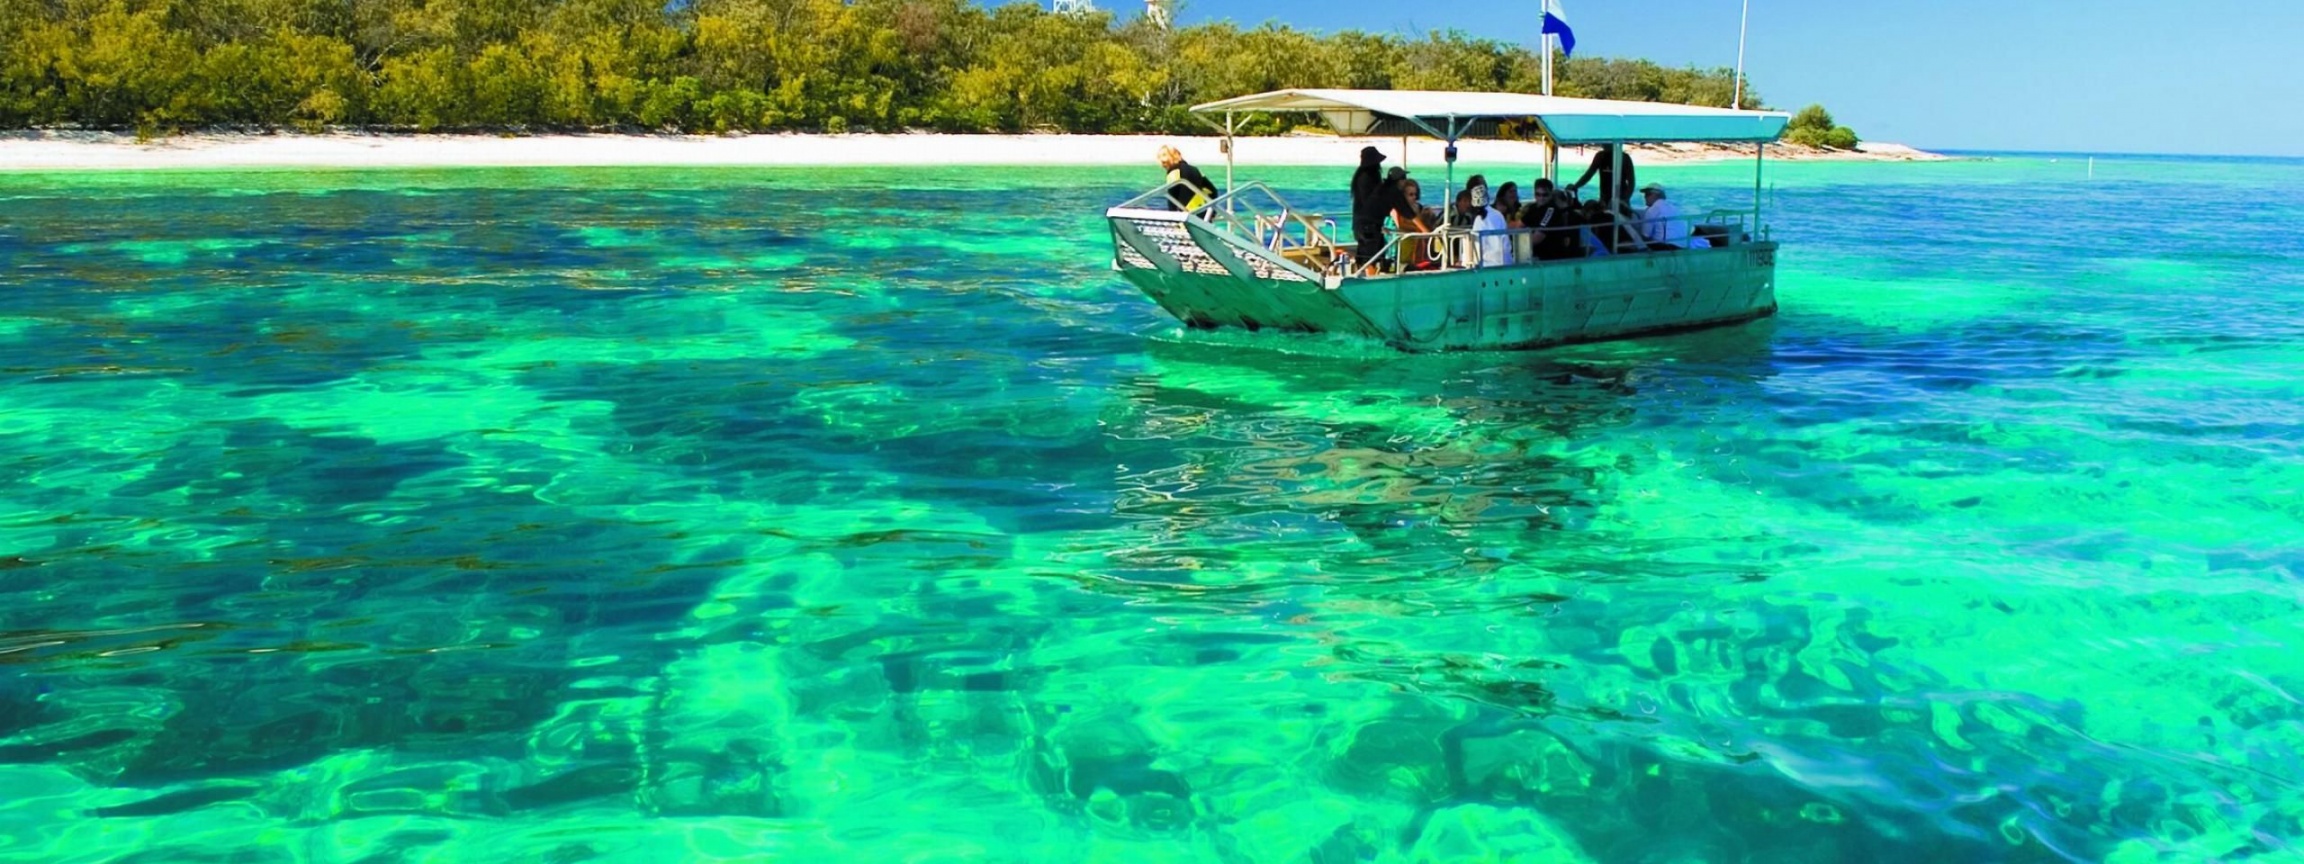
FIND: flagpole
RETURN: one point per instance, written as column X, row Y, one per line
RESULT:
column 1548, row 63
column 1741, row 23
column 1544, row 28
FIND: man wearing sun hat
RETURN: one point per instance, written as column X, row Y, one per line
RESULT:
column 1660, row 222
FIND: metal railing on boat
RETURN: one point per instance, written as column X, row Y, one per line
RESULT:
column 1256, row 212
column 1465, row 249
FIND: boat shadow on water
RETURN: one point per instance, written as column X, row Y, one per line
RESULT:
column 1394, row 447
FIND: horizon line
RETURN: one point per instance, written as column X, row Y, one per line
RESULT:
column 1981, row 151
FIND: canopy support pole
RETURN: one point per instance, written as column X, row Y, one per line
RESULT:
column 1759, row 161
column 1551, row 151
column 1615, row 191
column 1224, row 144
column 1227, row 158
column 1448, row 186
column 1615, row 195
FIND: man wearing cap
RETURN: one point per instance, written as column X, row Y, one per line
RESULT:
column 1660, row 223
column 1371, row 202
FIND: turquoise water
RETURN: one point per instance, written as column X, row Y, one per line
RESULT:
column 863, row 515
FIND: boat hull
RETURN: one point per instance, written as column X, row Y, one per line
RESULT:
column 1209, row 279
column 1559, row 302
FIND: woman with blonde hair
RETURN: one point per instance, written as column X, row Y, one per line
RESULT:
column 1188, row 189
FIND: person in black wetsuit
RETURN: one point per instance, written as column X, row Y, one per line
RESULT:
column 1188, row 189
column 1372, row 200
column 1604, row 164
column 1557, row 222
column 1460, row 213
column 1538, row 212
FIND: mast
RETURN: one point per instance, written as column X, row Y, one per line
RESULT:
column 1738, row 101
column 1759, row 163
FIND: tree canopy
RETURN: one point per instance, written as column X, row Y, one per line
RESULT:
column 715, row 66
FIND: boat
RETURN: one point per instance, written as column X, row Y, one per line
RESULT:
column 1249, row 259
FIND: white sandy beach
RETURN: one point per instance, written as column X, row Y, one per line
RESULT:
column 69, row 151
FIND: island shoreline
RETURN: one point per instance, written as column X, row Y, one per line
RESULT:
column 59, row 150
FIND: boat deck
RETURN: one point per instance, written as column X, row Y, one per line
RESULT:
column 1250, row 260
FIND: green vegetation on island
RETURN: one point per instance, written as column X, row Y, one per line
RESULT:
column 1814, row 127
column 718, row 66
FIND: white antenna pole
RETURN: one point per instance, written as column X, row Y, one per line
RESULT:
column 1740, row 27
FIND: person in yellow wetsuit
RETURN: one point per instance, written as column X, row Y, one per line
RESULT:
column 1188, row 189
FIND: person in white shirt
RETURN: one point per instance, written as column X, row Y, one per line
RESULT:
column 1507, row 205
column 1495, row 243
column 1660, row 222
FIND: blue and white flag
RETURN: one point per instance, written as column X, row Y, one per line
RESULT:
column 1556, row 24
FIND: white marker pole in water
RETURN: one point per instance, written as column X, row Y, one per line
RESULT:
column 1738, row 100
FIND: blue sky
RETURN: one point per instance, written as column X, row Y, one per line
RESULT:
column 2182, row 76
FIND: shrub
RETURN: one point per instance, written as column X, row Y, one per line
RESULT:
column 1813, row 117
column 1814, row 127
column 424, row 90
column 319, row 110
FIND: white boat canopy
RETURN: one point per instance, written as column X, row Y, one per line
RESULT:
column 1452, row 115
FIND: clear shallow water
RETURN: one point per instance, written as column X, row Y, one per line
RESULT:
column 862, row 515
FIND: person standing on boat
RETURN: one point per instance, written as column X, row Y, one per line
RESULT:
column 1612, row 188
column 1372, row 200
column 1188, row 189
